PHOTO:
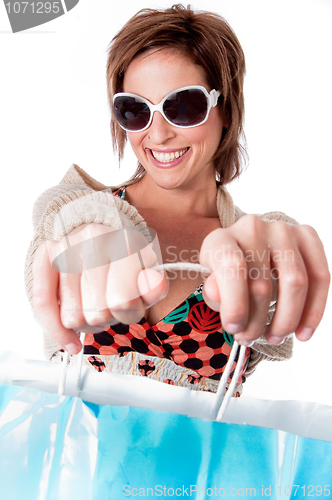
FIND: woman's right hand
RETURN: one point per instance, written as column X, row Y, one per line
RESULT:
column 107, row 286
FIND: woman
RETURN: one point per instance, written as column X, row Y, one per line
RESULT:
column 175, row 81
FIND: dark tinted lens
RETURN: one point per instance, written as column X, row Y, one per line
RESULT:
column 131, row 113
column 186, row 108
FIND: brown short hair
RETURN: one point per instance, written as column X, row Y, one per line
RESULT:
column 208, row 40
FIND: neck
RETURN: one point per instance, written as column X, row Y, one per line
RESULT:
column 197, row 201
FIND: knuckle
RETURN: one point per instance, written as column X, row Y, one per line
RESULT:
column 41, row 300
column 123, row 306
column 234, row 316
column 72, row 321
column 261, row 288
column 307, row 230
column 250, row 224
column 296, row 279
column 326, row 278
column 283, row 231
column 232, row 261
column 99, row 318
column 322, row 276
column 253, row 222
column 282, row 228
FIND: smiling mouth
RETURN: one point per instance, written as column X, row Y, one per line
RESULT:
column 168, row 157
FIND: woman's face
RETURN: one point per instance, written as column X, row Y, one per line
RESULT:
column 153, row 75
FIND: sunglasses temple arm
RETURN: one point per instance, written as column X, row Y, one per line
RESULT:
column 214, row 96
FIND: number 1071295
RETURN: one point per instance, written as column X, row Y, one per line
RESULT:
column 310, row 490
column 33, row 7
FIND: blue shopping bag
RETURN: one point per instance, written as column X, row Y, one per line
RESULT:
column 58, row 447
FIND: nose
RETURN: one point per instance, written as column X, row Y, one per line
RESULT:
column 160, row 131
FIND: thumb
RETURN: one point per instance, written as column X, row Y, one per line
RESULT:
column 211, row 293
column 152, row 286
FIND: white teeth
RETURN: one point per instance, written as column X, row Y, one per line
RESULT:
column 167, row 157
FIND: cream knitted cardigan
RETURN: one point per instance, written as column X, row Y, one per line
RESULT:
column 80, row 199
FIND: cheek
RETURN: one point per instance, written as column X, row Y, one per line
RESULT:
column 135, row 140
column 197, row 135
column 215, row 134
column 217, row 123
column 132, row 139
column 207, row 135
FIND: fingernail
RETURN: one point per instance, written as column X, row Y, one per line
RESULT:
column 276, row 340
column 246, row 343
column 234, row 328
column 73, row 348
column 305, row 334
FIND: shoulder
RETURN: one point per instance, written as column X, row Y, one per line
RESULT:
column 230, row 213
column 77, row 176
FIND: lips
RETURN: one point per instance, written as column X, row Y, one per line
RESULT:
column 167, row 157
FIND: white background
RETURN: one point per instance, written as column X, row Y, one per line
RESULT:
column 54, row 113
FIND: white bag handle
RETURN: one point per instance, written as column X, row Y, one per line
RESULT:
column 222, row 399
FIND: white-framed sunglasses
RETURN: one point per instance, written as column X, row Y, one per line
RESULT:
column 184, row 107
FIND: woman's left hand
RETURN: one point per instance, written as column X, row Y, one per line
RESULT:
column 255, row 262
